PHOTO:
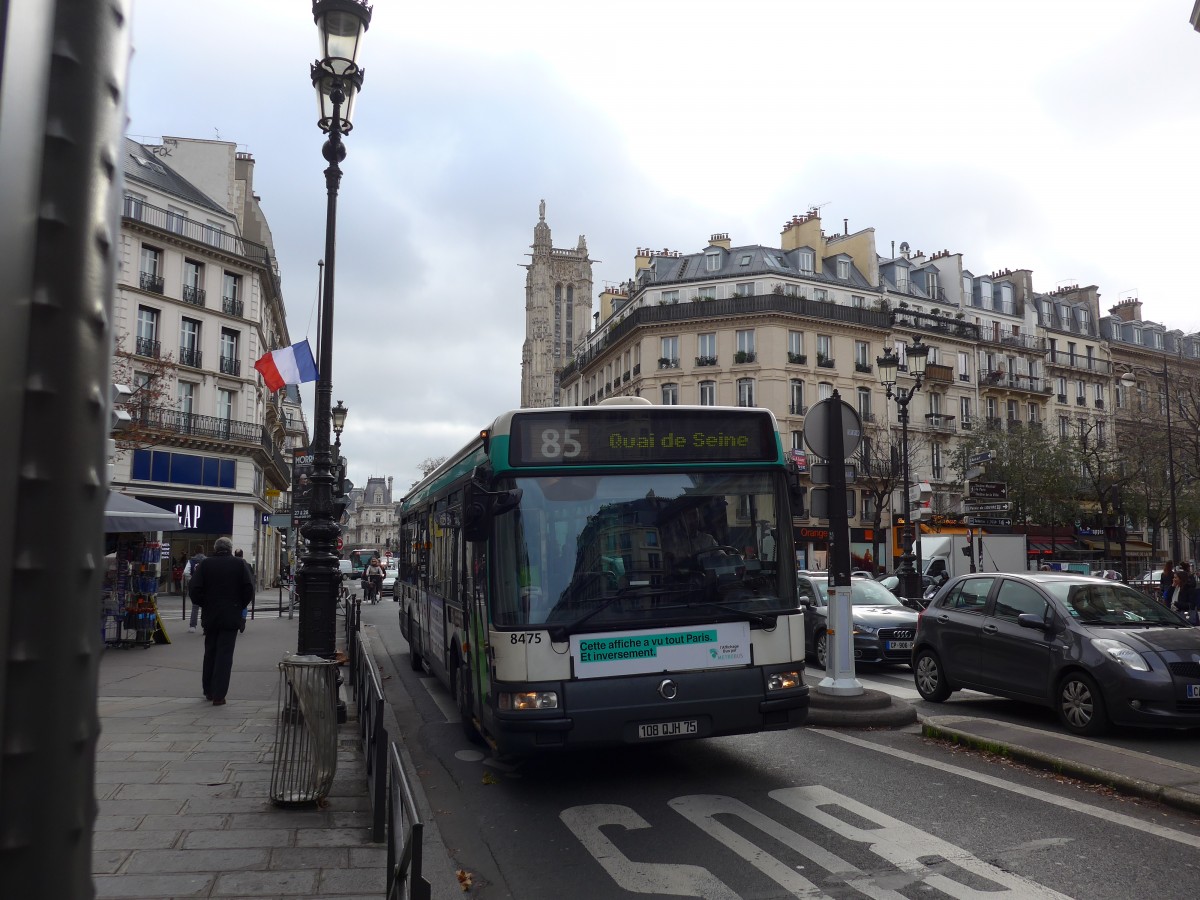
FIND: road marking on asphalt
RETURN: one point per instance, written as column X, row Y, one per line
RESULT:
column 1107, row 815
column 919, row 858
column 438, row 694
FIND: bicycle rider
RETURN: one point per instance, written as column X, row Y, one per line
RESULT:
column 374, row 575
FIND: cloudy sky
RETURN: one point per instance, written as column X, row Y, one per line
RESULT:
column 1056, row 136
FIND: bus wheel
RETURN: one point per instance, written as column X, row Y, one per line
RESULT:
column 414, row 657
column 462, row 693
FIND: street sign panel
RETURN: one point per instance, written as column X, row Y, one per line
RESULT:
column 820, row 474
column 988, row 521
column 816, row 427
column 975, row 506
column 976, row 459
column 988, row 490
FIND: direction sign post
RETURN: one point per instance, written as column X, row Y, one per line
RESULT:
column 989, row 521
column 978, row 459
column 976, row 506
column 988, row 490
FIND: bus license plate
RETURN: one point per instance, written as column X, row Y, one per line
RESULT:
column 1193, row 691
column 667, row 729
column 899, row 645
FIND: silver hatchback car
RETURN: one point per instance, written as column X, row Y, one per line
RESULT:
column 1094, row 651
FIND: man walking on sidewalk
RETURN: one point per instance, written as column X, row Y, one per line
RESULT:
column 222, row 587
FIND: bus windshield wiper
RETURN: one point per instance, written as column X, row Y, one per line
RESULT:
column 559, row 633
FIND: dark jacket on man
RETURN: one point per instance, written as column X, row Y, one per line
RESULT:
column 222, row 587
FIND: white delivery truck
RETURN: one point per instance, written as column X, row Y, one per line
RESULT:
column 949, row 555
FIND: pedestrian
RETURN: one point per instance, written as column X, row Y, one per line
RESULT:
column 222, row 587
column 1165, row 579
column 245, row 612
column 177, row 574
column 374, row 576
column 1183, row 595
column 188, row 571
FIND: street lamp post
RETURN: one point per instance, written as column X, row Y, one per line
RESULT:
column 889, row 364
column 337, row 79
column 1129, row 381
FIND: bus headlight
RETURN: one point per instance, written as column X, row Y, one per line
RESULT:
column 523, row 700
column 782, row 681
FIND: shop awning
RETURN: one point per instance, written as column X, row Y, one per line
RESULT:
column 1137, row 548
column 124, row 513
column 1066, row 545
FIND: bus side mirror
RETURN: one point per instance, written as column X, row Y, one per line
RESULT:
column 481, row 506
column 796, row 492
column 475, row 512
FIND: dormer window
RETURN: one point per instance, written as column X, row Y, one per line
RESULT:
column 1137, row 336
column 1064, row 313
column 931, row 283
column 1085, row 323
column 967, row 287
column 1006, row 298
column 712, row 262
column 1156, row 340
column 805, row 258
column 901, row 278
column 745, row 260
column 843, row 269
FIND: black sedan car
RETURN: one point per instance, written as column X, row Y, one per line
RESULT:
column 883, row 626
column 1096, row 652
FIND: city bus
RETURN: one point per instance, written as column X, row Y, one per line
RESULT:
column 361, row 558
column 612, row 574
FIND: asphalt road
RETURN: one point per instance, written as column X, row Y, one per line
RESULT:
column 809, row 812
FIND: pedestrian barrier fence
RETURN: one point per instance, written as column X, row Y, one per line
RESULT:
column 405, row 833
column 369, row 694
column 394, row 812
column 306, row 731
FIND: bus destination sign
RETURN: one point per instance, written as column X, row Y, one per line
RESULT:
column 656, row 434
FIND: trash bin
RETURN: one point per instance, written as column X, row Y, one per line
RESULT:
column 306, row 733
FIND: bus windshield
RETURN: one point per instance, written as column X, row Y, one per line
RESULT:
column 589, row 552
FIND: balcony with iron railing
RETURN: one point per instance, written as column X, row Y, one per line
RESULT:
column 744, row 356
column 1068, row 360
column 666, row 362
column 1028, row 342
column 174, row 224
column 190, row 356
column 148, row 281
column 1011, row 381
column 951, row 327
column 824, row 362
column 193, row 295
column 860, row 366
column 706, row 360
column 729, row 307
column 177, row 422
column 230, row 366
column 798, row 409
column 797, row 359
column 941, row 422
column 147, row 347
column 232, row 307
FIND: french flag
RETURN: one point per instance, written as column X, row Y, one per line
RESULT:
column 288, row 365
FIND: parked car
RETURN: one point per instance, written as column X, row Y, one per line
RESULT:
column 389, row 581
column 883, row 626
column 347, row 568
column 1096, row 652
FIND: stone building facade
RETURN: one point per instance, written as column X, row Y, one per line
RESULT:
column 558, row 311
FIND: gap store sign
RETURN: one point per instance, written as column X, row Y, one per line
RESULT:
column 198, row 515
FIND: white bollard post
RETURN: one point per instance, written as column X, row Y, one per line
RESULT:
column 839, row 670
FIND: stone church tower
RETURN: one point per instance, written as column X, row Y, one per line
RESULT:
column 558, row 312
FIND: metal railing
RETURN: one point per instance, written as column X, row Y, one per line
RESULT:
column 179, row 422
column 727, row 307
column 394, row 815
column 231, row 366
column 232, row 307
column 147, row 347
column 190, row 356
column 148, row 281
column 193, row 295
column 406, row 832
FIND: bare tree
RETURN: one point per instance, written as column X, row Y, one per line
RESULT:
column 427, row 465
column 150, row 380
